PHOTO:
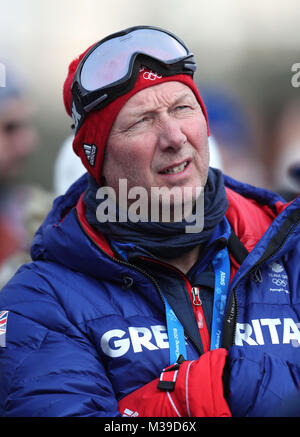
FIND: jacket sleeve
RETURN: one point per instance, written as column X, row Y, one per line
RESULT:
column 48, row 365
column 47, row 373
column 260, row 383
column 195, row 389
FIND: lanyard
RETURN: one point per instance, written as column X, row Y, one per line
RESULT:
column 221, row 265
column 175, row 335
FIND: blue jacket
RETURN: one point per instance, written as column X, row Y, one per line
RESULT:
column 80, row 329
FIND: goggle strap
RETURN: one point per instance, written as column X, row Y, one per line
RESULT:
column 96, row 102
column 189, row 66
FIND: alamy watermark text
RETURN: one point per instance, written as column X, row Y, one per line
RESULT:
column 2, row 76
column 295, row 81
column 161, row 204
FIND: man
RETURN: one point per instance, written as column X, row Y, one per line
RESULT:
column 141, row 317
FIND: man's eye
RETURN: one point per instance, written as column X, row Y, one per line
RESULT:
column 181, row 107
column 141, row 121
column 137, row 123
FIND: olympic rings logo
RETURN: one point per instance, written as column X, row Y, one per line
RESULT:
column 150, row 75
column 279, row 282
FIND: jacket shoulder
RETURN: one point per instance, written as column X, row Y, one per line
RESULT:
column 251, row 210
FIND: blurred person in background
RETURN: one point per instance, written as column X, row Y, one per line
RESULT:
column 21, row 206
column 17, row 142
column 34, row 208
column 235, row 134
column 286, row 167
column 143, row 318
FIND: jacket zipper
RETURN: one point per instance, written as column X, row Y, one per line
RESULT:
column 199, row 315
column 196, row 296
column 200, row 319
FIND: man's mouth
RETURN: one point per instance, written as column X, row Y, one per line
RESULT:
column 175, row 169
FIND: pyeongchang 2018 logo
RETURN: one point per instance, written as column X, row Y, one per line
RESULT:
column 2, row 76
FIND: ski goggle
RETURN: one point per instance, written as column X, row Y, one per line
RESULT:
column 110, row 68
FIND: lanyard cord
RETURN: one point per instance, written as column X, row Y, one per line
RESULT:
column 175, row 335
column 221, row 265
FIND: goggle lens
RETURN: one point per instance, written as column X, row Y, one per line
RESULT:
column 110, row 61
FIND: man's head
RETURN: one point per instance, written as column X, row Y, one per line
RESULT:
column 176, row 136
column 158, row 139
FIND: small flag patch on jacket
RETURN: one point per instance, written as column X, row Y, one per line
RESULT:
column 3, row 324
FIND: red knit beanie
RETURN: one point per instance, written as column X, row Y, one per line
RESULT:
column 90, row 141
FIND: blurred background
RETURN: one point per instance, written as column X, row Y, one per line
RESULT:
column 245, row 52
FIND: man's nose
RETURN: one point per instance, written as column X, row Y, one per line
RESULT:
column 171, row 136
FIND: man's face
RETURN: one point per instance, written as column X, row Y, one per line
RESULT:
column 159, row 139
column 17, row 137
